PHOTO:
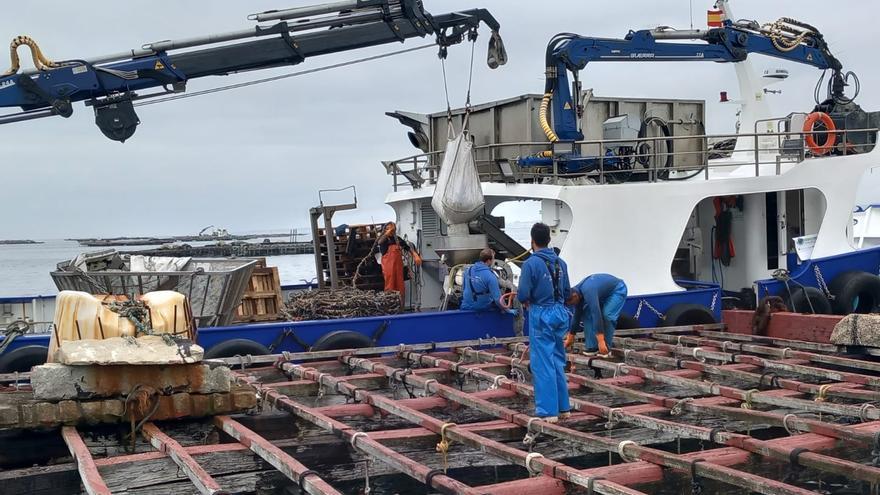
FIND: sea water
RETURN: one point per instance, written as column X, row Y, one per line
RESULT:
column 24, row 268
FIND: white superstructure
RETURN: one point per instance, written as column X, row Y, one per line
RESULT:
column 644, row 231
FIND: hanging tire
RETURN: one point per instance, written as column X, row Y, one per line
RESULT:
column 627, row 322
column 23, row 358
column 341, row 339
column 236, row 347
column 680, row 315
column 855, row 292
column 803, row 297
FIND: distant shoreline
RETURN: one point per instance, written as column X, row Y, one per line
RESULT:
column 9, row 242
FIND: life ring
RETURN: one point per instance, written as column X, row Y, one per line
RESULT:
column 831, row 136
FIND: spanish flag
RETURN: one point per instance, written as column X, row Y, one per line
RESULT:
column 715, row 18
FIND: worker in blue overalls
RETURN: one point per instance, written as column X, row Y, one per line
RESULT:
column 598, row 300
column 481, row 288
column 543, row 289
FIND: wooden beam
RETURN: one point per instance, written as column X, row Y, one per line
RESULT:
column 308, row 480
column 88, row 471
column 196, row 473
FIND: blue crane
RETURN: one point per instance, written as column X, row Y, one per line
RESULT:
column 732, row 42
column 110, row 84
column 566, row 53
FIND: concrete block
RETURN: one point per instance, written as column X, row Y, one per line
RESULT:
column 201, row 403
column 149, row 349
column 8, row 416
column 47, row 413
column 68, row 412
column 220, row 403
column 27, row 415
column 35, row 414
column 244, row 399
column 114, row 408
column 55, row 381
column 181, row 405
column 91, row 411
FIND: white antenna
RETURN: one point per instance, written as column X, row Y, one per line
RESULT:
column 692, row 14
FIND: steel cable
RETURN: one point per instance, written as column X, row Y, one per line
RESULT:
column 280, row 77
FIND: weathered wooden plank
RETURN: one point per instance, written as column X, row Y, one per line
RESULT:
column 280, row 460
column 204, row 483
column 90, row 477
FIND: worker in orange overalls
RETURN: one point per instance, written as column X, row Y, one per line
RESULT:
column 392, row 247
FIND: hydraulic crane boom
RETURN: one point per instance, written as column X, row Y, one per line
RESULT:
column 732, row 42
column 110, row 83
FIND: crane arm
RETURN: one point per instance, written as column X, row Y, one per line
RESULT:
column 110, row 83
column 732, row 42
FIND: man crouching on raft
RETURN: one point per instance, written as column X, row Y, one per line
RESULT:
column 598, row 300
column 543, row 289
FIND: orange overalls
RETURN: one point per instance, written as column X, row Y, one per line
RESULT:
column 392, row 268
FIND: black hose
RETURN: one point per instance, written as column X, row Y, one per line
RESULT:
column 845, row 100
column 670, row 143
column 818, row 86
column 670, row 149
column 829, row 92
column 691, row 176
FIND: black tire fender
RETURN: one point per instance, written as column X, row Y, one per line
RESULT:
column 236, row 347
column 627, row 322
column 688, row 314
column 798, row 302
column 23, row 358
column 341, row 339
column 855, row 292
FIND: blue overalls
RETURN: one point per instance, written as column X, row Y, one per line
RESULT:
column 481, row 289
column 602, row 298
column 543, row 283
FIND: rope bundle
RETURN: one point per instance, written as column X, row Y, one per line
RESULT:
column 331, row 304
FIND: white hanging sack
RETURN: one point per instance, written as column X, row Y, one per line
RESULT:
column 458, row 196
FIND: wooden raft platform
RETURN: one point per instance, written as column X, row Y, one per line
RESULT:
column 691, row 407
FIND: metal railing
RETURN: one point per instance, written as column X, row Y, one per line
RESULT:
column 420, row 169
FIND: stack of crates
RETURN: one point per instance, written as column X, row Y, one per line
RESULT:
column 352, row 243
column 262, row 299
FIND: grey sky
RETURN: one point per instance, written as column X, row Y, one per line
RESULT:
column 253, row 159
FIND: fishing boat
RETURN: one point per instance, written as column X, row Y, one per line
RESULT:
column 640, row 194
column 439, row 399
column 690, row 230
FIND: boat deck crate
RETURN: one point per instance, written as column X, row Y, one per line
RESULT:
column 262, row 299
column 352, row 243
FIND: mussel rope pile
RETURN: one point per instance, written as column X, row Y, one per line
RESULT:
column 136, row 312
column 331, row 304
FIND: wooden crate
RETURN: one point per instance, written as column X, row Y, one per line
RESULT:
column 351, row 246
column 262, row 299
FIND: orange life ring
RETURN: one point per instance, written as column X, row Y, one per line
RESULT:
column 831, row 136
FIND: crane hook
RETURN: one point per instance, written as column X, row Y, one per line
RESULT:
column 497, row 53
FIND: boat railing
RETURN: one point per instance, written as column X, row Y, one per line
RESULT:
column 768, row 153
